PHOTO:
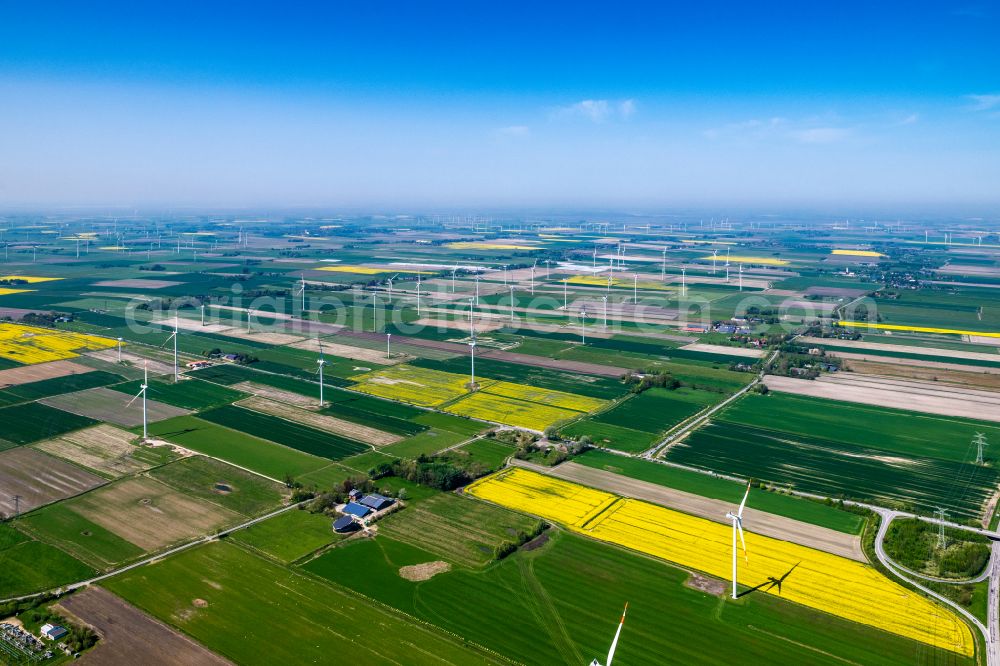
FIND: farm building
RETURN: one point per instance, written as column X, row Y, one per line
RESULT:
column 344, row 524
column 357, row 510
column 53, row 631
column 376, row 502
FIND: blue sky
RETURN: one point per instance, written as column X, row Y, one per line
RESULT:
column 634, row 106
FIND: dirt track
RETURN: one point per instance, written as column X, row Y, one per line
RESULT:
column 759, row 522
column 129, row 636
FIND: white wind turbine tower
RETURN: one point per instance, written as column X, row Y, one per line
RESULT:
column 173, row 336
column 302, row 290
column 321, row 362
column 453, row 270
column 390, row 283
column 533, row 277
column 737, row 519
column 614, row 643
column 715, row 258
column 142, row 392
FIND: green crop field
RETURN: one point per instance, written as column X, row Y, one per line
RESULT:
column 427, row 442
column 307, row 620
column 59, row 525
column 222, row 484
column 189, row 394
column 450, row 423
column 289, row 536
column 57, row 386
column 891, row 430
column 288, row 433
column 33, row 421
column 457, row 528
column 611, row 436
column 486, row 453
column 559, row 604
column 29, row 566
column 835, row 469
column 705, row 485
column 238, row 448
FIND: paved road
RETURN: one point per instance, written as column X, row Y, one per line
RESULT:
column 159, row 556
column 989, row 634
column 704, row 416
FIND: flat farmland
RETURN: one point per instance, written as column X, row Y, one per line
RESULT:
column 279, row 395
column 550, row 606
column 33, row 344
column 331, row 424
column 456, row 528
column 104, row 404
column 32, row 421
column 217, row 482
column 510, row 411
column 833, row 468
column 288, row 536
column 57, row 386
column 105, row 449
column 59, row 525
column 38, row 479
column 895, row 393
column 238, row 448
column 188, row 393
column 890, row 430
column 129, row 636
column 288, row 433
column 611, row 436
column 314, row 619
column 414, row 385
column 25, row 374
column 150, row 514
column 31, row 566
column 824, row 582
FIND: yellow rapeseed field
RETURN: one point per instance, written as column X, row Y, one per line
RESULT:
column 914, row 329
column 509, row 411
column 31, row 344
column 417, row 386
column 30, row 279
column 739, row 259
column 5, row 291
column 561, row 399
column 479, row 245
column 858, row 253
column 829, row 583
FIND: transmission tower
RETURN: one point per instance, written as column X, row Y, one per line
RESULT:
column 941, row 514
column 17, row 506
column 980, row 441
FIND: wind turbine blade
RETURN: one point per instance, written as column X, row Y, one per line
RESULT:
column 739, row 527
column 743, row 503
column 129, row 403
column 614, row 643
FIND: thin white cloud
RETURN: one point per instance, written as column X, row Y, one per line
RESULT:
column 598, row 110
column 821, row 134
column 984, row 102
column 910, row 119
column 514, row 131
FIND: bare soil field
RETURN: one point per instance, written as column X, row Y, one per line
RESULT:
column 913, row 395
column 150, row 514
column 104, row 404
column 39, row 371
column 271, row 393
column 103, row 448
column 977, row 379
column 426, row 571
column 129, row 636
column 861, row 356
column 460, row 323
column 270, row 338
column 323, row 422
column 908, row 349
column 556, row 364
column 722, row 349
column 835, row 292
column 155, row 367
column 768, row 524
column 39, row 479
column 136, row 283
column 376, row 356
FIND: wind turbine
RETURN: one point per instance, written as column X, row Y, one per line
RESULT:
column 173, row 336
column 390, row 283
column 614, row 643
column 533, row 277
column 302, row 290
column 737, row 519
column 321, row 362
column 142, row 392
column 715, row 258
column 453, row 270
